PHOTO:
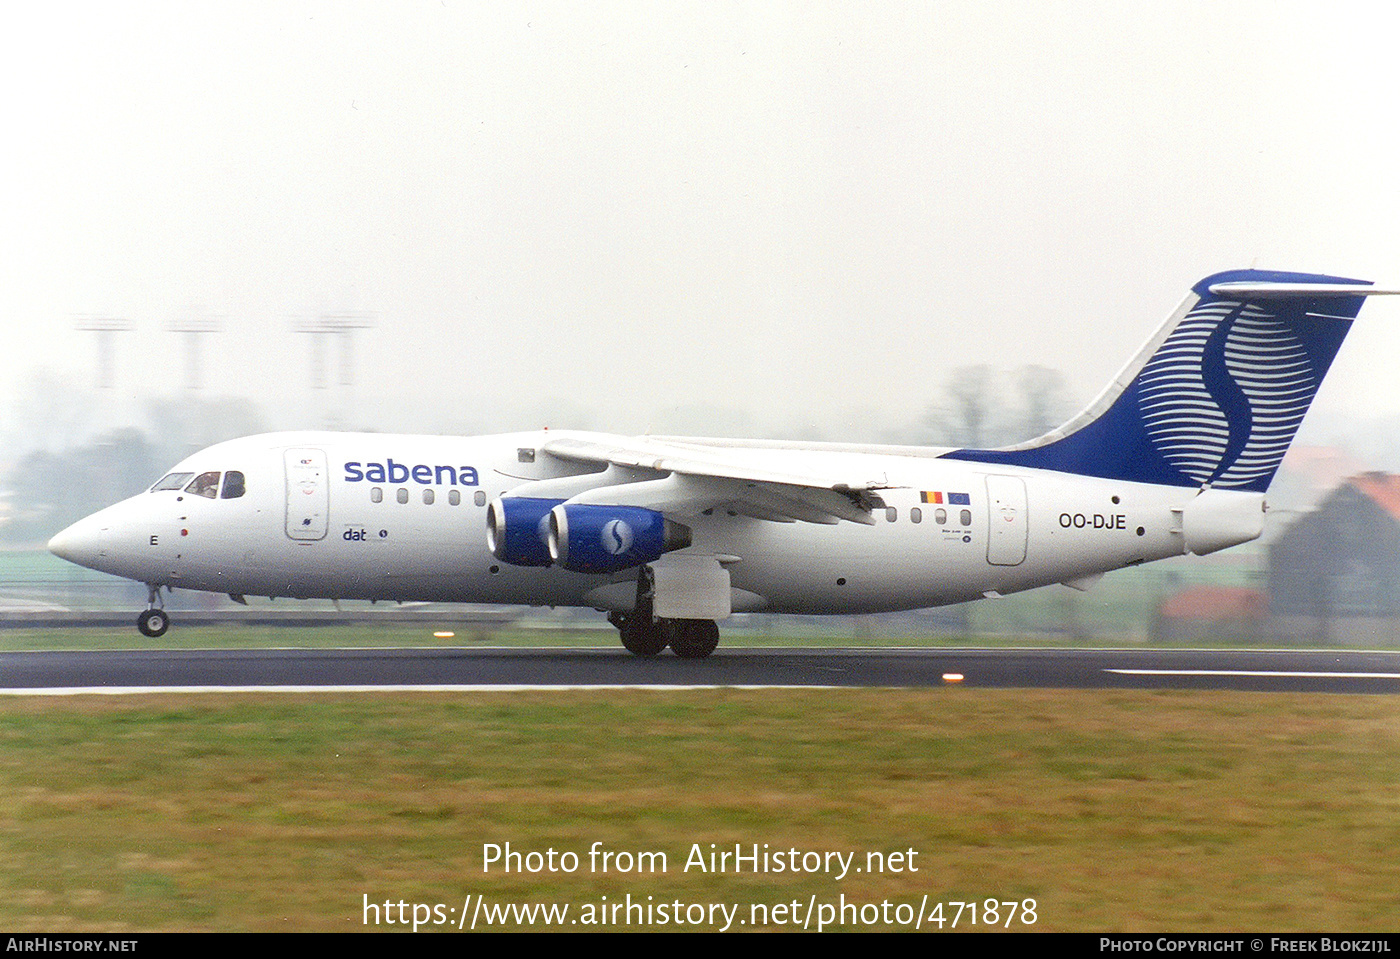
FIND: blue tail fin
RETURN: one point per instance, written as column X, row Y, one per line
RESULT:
column 1217, row 394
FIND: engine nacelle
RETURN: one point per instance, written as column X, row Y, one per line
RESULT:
column 517, row 530
column 605, row 539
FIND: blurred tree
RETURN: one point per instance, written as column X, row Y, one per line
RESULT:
column 49, row 490
column 1043, row 400
column 974, row 404
column 973, row 413
column 50, row 411
column 187, row 423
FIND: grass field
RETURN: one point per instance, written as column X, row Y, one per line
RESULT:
column 1123, row 811
column 1119, row 810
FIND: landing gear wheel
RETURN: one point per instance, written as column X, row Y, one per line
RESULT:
column 153, row 622
column 641, row 637
column 691, row 638
column 641, row 633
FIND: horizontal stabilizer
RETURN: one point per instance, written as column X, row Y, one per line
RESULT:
column 1273, row 291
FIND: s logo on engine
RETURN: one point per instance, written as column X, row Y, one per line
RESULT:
column 616, row 537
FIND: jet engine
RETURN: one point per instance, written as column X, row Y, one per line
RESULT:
column 517, row 530
column 605, row 539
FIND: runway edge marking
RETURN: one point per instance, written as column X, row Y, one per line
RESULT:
column 398, row 688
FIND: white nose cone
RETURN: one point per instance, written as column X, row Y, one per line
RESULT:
column 80, row 543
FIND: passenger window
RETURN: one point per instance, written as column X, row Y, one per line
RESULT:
column 940, row 516
column 965, row 517
column 205, row 484
column 233, row 485
column 916, row 515
column 172, row 481
column 479, row 498
column 376, row 495
column 401, row 496
column 892, row 514
column 428, row 497
column 454, row 497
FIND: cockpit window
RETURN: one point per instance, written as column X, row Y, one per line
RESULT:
column 205, row 484
column 172, row 481
column 233, row 484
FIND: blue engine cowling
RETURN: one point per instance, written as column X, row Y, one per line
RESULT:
column 517, row 529
column 605, row 539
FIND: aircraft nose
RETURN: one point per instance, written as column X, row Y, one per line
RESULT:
column 80, row 543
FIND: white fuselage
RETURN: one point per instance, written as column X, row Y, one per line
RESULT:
column 385, row 517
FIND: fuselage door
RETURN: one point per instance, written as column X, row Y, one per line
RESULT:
column 308, row 494
column 1006, row 504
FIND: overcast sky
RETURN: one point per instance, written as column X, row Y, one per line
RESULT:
column 649, row 215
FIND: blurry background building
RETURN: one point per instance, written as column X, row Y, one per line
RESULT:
column 1334, row 574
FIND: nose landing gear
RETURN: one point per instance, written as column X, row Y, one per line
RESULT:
column 154, row 621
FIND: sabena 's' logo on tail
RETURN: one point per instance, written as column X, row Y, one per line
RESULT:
column 1216, row 395
column 1224, row 395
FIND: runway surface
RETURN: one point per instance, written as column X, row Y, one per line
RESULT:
column 122, row 671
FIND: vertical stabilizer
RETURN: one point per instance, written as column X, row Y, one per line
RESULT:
column 1216, row 395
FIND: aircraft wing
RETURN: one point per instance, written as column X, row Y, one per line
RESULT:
column 688, row 479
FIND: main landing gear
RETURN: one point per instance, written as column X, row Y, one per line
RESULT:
column 154, row 621
column 691, row 638
column 645, row 635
